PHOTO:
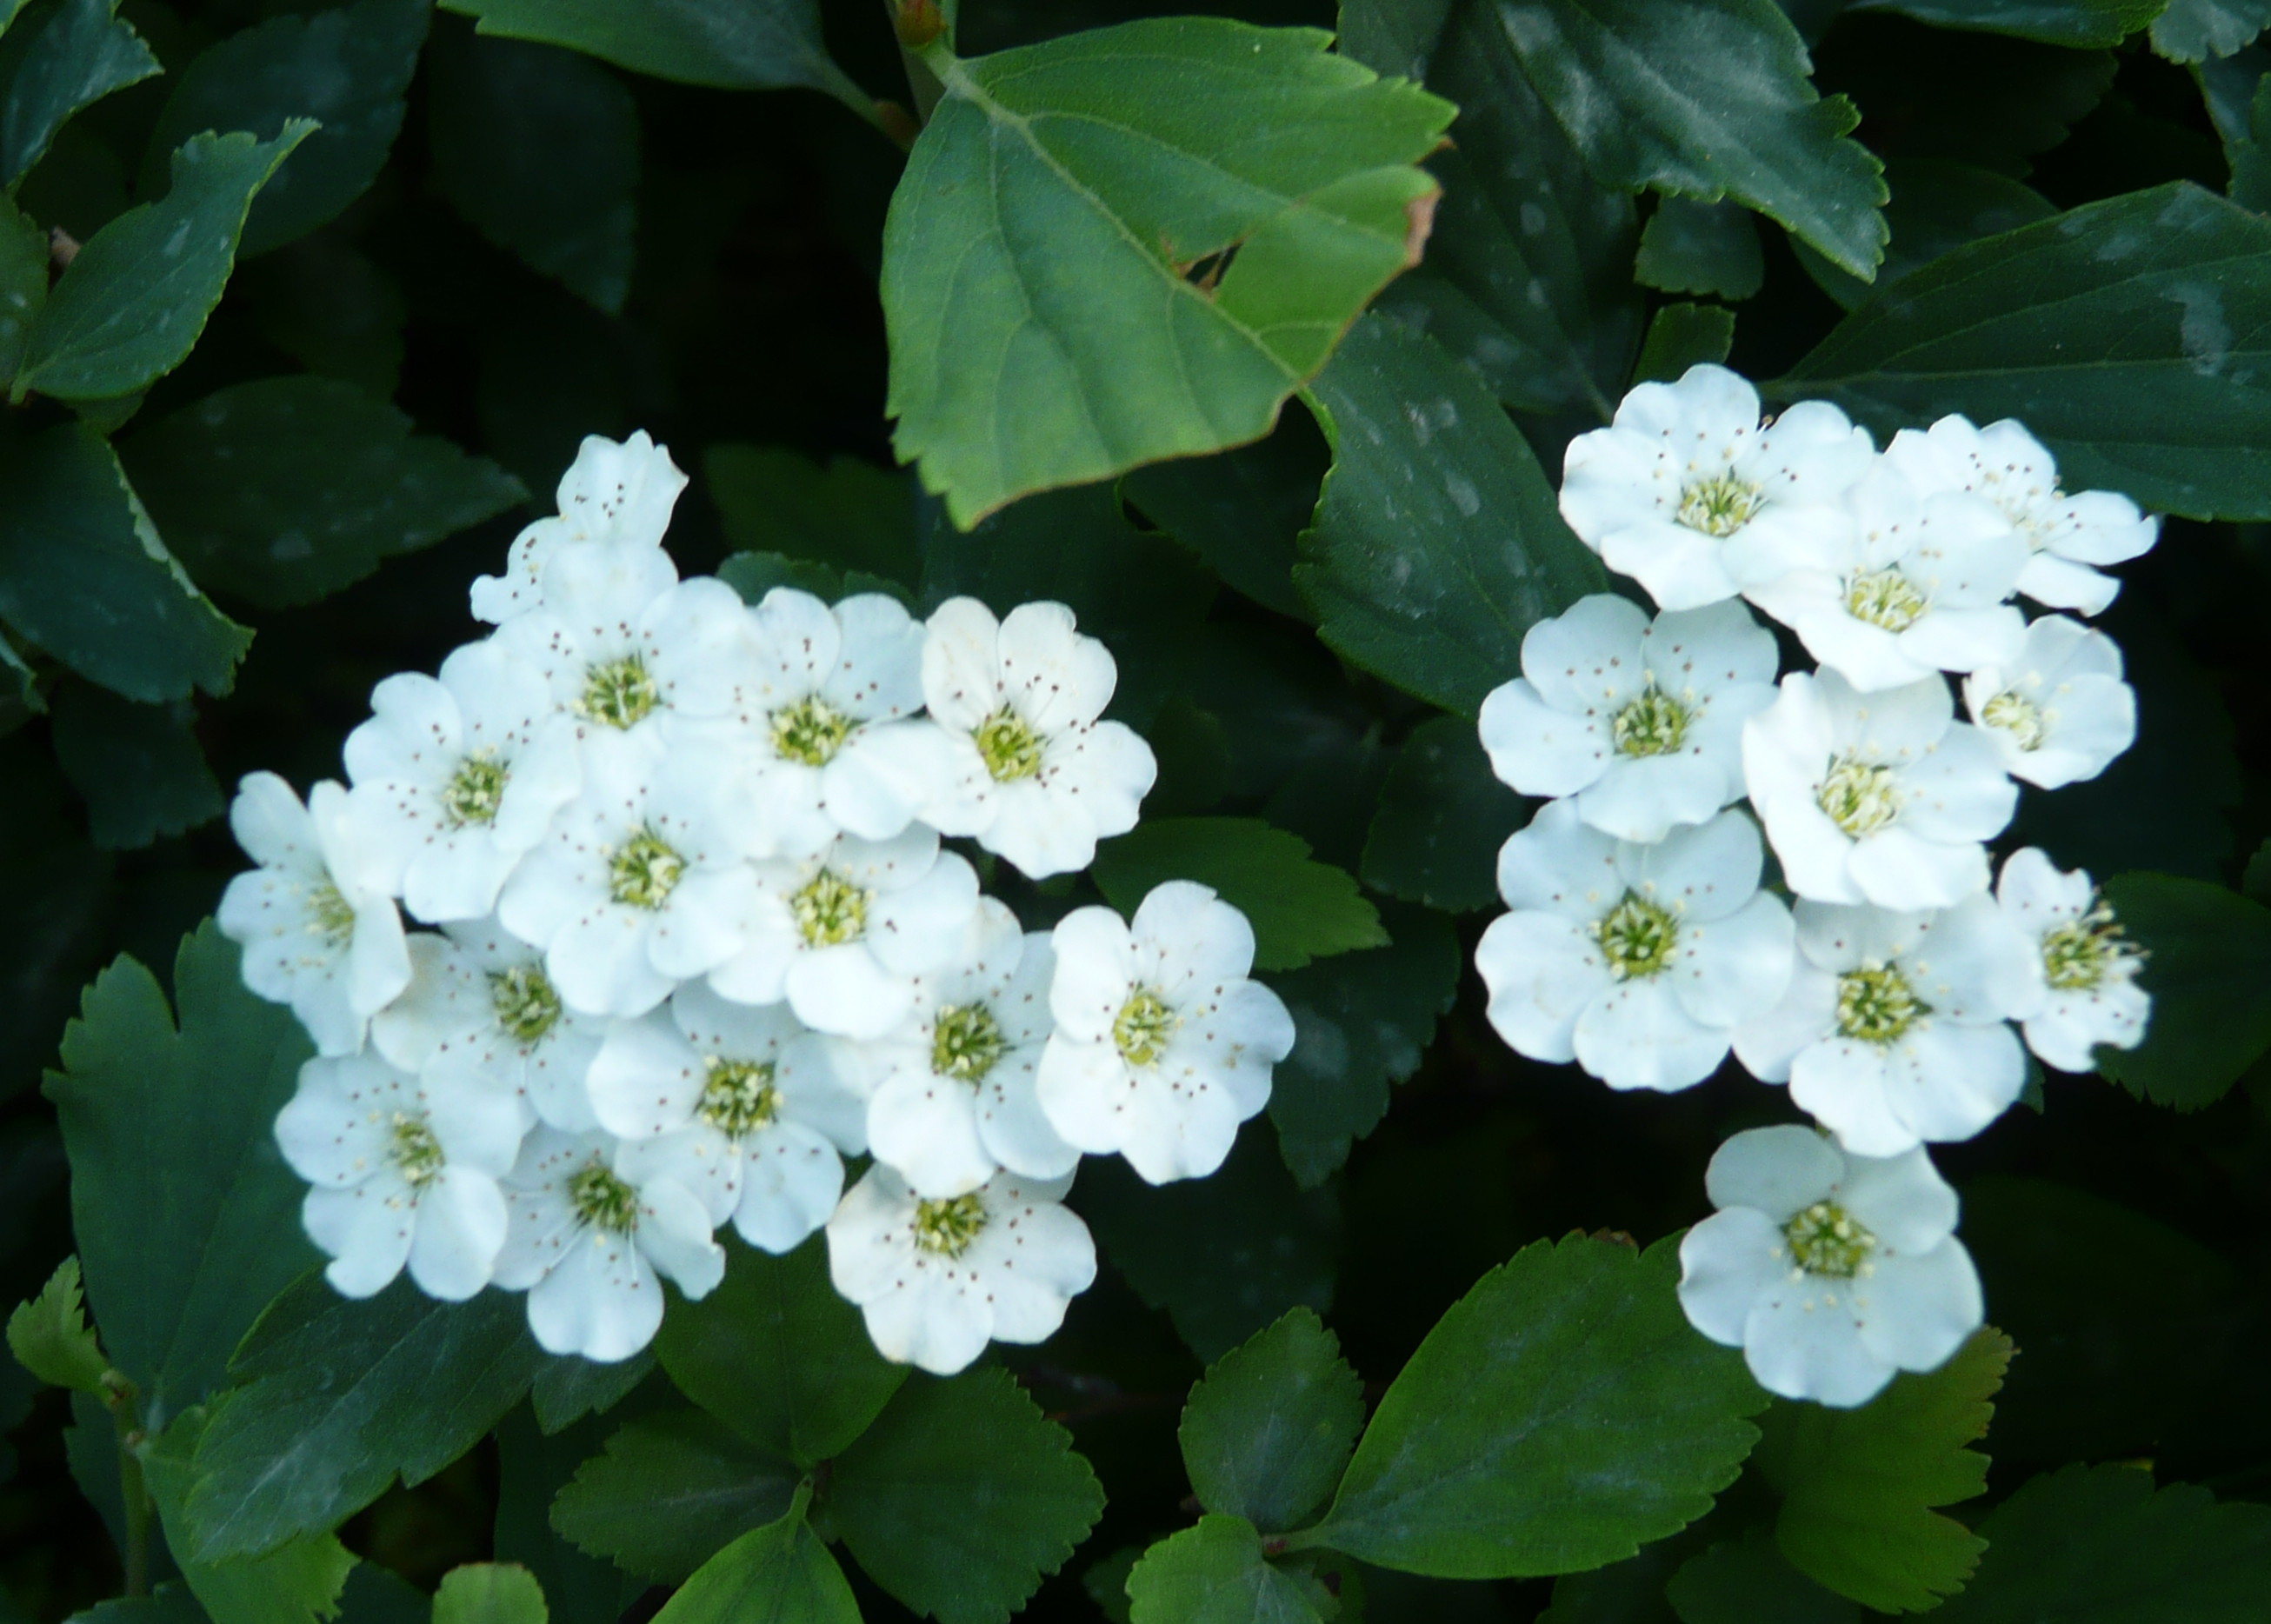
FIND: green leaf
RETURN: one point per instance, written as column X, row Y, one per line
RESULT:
column 531, row 1468
column 140, row 766
column 50, row 1337
column 1437, row 543
column 2126, row 334
column 1362, row 1022
column 1300, row 909
column 2076, row 23
column 1860, row 1487
column 1561, row 1416
column 1241, row 511
column 1706, row 98
column 962, row 1495
column 171, row 1134
column 136, row 296
column 570, row 1388
column 1986, row 99
column 1265, row 1435
column 1215, row 1573
column 1443, row 815
column 671, row 1491
column 285, row 490
column 330, row 308
column 2189, row 30
column 61, row 58
column 2206, row 947
column 1937, row 206
column 847, row 514
column 1134, row 243
column 171, row 1603
column 490, row 1593
column 2100, row 1545
column 726, row 44
column 779, row 1357
column 538, row 149
column 375, row 1595
column 347, row 69
column 1626, row 1592
column 297, row 1582
column 1681, row 336
column 338, row 1397
column 753, row 575
column 1701, row 248
column 23, row 284
column 1749, row 1581
column 779, row 1574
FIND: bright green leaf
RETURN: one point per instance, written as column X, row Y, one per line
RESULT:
column 490, row 1593
column 1563, row 1415
column 728, row 44
column 570, row 1388
column 1300, row 909
column 140, row 766
column 1242, row 510
column 23, row 284
column 962, row 1495
column 779, row 1574
column 1701, row 248
column 1265, row 1435
column 1443, row 815
column 1938, row 206
column 848, row 514
column 1134, row 243
column 1749, row 1581
column 50, row 1337
column 136, row 296
column 2206, row 950
column 56, row 60
column 1681, row 336
column 1437, row 543
column 285, row 490
column 1215, row 1573
column 2190, row 30
column 2076, row 23
column 671, row 1491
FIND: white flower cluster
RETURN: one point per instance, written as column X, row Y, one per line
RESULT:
column 696, row 942
column 1897, row 995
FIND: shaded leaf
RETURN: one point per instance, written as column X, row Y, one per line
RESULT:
column 531, row 1468
column 1300, row 909
column 1701, row 248
column 1681, row 336
column 2077, row 23
column 1986, row 99
column 570, row 1388
column 779, row 1574
column 2206, row 949
column 671, row 1491
column 1215, row 1573
column 1748, row 1580
column 50, row 1337
column 140, row 766
column 1936, row 206
column 23, row 283
column 490, row 1593
column 331, row 309
column 847, row 514
column 1265, row 1435
column 55, row 60
column 298, row 1581
column 2189, row 30
column 1443, row 815
column 728, row 44
column 1241, row 511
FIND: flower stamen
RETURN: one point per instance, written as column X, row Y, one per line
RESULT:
column 1885, row 599
column 1141, row 1028
column 1826, row 1240
column 739, row 1097
column 811, row 731
column 1877, row 1005
column 603, row 1200
column 1719, row 506
column 1637, row 938
column 2019, row 716
column 476, row 790
column 1008, row 745
column 417, row 1153
column 1653, row 724
column 527, row 1005
column 966, row 1042
column 1860, row 798
column 643, row 870
column 946, row 1228
column 619, row 693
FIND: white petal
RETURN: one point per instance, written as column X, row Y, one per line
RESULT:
column 1778, row 1171
column 1726, row 1263
column 461, row 1227
column 1922, row 1308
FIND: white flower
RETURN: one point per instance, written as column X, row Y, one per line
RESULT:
column 1643, row 723
column 1031, row 772
column 455, row 778
column 586, row 1237
column 954, row 1096
column 2067, row 534
column 1687, row 471
column 1913, row 586
column 937, row 1280
column 1637, row 960
column 827, row 694
column 1831, row 1272
column 1880, row 798
column 2090, row 995
column 1162, row 1047
column 639, row 886
column 618, row 494
column 2057, row 710
column 482, row 1012
column 1892, row 1031
column 842, row 934
column 402, row 1174
column 319, row 930
column 739, row 1105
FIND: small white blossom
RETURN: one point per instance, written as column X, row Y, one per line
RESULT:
column 2090, row 995
column 2057, row 710
column 937, row 1280
column 1642, row 722
column 1882, row 798
column 2068, row 536
column 1638, row 961
column 614, row 494
column 402, row 1174
column 1162, row 1046
column 1687, row 473
column 1031, row 772
column 1894, row 1029
column 1831, row 1271
column 586, row 1237
column 319, row 930
column 456, row 776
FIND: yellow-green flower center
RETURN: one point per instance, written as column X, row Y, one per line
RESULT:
column 2081, row 953
column 642, row 871
column 739, row 1097
column 830, row 910
column 946, row 1228
column 1860, row 798
column 965, row 1042
column 417, row 1153
column 1885, row 598
column 1010, row 748
column 1825, row 1238
column 333, row 915
column 1719, row 506
column 1653, row 724
column 811, row 731
column 619, row 692
column 603, row 1200
column 526, row 1006
column 1141, row 1028
column 1877, row 1005
column 2016, row 715
column 476, row 790
column 1636, row 937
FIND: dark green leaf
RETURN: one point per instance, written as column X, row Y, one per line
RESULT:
column 50, row 1337
column 1394, row 37
column 1361, row 1023
column 490, row 1593
column 753, row 575
column 1437, row 543
column 330, row 308
column 1748, row 1582
column 54, row 61
column 2126, row 334
column 2251, row 160
column 1681, row 336
column 1215, row 1573
column 339, row 1398
column 296, row 1582
column 779, row 1357
column 2077, row 23
column 345, row 69
column 1701, row 248
column 1241, row 511
column 2206, row 947
column 1563, row 1415
column 1626, row 1592
column 671, row 1491
column 136, row 296
column 780, row 1574
column 1443, row 815
column 849, row 515
column 375, row 1595
column 1135, row 243
column 1937, row 206
column 1860, row 1487
column 730, row 44
column 570, row 1388
column 538, row 149
column 1266, row 1433
column 1300, row 909
column 140, row 766
column 169, row 1604
column 170, row 1131
column 1107, row 1583
column 532, row 1469
column 962, row 1495
column 2189, row 30
column 286, row 490
column 1987, row 99
column 2100, row 1545
column 23, row 284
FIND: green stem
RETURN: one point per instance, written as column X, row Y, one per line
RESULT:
column 118, row 1396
